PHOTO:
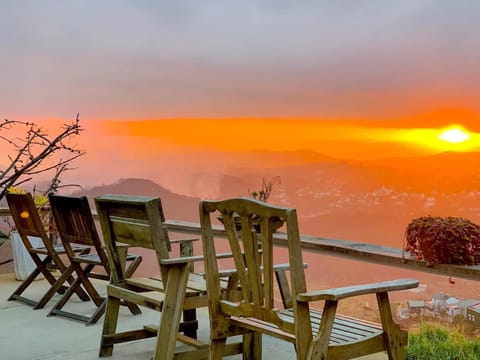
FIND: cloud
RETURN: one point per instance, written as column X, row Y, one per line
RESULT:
column 251, row 58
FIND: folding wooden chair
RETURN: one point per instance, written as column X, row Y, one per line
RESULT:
column 315, row 334
column 46, row 258
column 75, row 224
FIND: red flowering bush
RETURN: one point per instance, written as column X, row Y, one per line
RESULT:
column 449, row 240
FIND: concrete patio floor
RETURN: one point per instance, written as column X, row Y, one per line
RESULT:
column 27, row 334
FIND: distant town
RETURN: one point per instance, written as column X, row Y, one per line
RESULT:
column 444, row 308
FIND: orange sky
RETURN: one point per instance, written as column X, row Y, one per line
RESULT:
column 172, row 151
column 131, row 144
column 352, row 139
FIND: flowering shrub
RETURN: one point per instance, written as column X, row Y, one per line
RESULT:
column 449, row 240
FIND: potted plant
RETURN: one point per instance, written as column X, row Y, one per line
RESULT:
column 447, row 240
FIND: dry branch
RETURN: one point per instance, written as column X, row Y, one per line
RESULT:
column 34, row 154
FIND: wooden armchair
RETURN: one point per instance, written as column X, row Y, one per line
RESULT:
column 49, row 258
column 137, row 221
column 315, row 334
column 76, row 227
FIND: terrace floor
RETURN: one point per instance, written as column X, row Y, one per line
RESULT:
column 27, row 334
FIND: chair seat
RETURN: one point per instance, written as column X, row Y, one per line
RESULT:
column 150, row 298
column 60, row 249
column 94, row 258
column 346, row 329
column 155, row 283
column 196, row 284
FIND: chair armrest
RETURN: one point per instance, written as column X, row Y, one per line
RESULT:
column 181, row 260
column 189, row 259
column 276, row 267
column 349, row 291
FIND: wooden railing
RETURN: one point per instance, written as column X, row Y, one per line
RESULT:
column 371, row 253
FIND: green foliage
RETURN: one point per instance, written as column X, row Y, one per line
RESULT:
column 434, row 342
column 449, row 240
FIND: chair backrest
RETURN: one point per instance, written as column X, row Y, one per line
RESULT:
column 135, row 221
column 254, row 268
column 75, row 224
column 27, row 220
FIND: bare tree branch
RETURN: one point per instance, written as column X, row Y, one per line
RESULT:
column 34, row 154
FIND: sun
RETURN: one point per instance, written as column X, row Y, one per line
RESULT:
column 450, row 138
column 454, row 135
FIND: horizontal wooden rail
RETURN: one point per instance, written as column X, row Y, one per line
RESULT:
column 371, row 253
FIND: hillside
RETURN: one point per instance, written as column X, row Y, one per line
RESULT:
column 175, row 206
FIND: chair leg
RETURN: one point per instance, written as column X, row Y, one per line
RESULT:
column 175, row 290
column 133, row 266
column 40, row 269
column 395, row 338
column 67, row 275
column 217, row 347
column 252, row 346
column 42, row 266
column 97, row 314
column 63, row 300
column 82, row 279
column 190, row 322
column 130, row 270
column 16, row 295
column 57, row 262
column 319, row 347
column 110, row 321
column 134, row 308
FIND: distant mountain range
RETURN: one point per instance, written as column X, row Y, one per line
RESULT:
column 208, row 174
column 370, row 201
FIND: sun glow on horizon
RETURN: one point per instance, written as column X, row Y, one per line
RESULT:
column 454, row 135
column 451, row 138
column 338, row 139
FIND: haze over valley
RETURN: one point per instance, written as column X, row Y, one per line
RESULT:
column 365, row 201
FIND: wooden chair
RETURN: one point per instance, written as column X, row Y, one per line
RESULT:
column 76, row 227
column 315, row 334
column 137, row 221
column 177, row 292
column 48, row 259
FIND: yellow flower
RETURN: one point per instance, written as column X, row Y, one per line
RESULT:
column 39, row 199
column 15, row 190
